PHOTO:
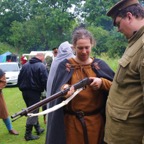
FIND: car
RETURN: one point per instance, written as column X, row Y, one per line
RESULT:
column 12, row 71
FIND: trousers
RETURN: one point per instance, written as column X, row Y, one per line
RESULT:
column 31, row 97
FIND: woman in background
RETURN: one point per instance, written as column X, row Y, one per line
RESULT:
column 3, row 109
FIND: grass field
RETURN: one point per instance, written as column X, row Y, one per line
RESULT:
column 15, row 104
column 112, row 62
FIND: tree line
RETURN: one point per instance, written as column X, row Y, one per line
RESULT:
column 28, row 25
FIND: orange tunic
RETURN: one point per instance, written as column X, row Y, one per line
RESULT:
column 87, row 100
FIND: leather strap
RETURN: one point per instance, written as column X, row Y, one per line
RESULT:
column 80, row 115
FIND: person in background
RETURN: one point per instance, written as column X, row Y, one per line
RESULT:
column 80, row 121
column 23, row 60
column 125, row 104
column 64, row 51
column 32, row 82
column 3, row 108
column 44, row 107
column 48, row 61
column 55, row 51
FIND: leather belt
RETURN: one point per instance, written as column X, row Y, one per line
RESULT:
column 80, row 115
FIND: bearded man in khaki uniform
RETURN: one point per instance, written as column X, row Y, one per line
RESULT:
column 125, row 104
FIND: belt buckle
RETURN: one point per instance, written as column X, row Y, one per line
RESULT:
column 80, row 114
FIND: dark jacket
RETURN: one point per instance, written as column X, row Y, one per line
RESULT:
column 55, row 128
column 33, row 76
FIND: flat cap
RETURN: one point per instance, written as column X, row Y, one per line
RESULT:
column 122, row 4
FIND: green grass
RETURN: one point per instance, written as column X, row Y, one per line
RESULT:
column 15, row 103
column 112, row 62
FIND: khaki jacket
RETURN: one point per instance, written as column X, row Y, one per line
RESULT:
column 125, row 104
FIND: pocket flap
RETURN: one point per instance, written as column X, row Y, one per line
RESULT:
column 124, row 61
column 117, row 113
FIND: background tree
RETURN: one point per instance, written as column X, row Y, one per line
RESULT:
column 108, row 39
column 11, row 10
column 100, row 35
column 46, row 25
column 30, row 25
column 94, row 13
